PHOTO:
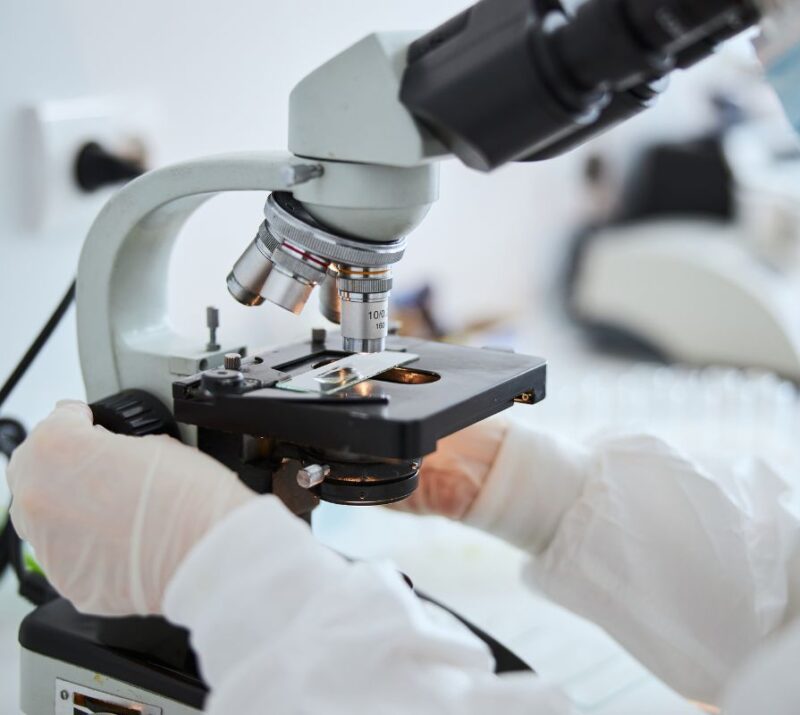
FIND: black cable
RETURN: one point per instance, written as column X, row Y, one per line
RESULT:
column 32, row 585
column 94, row 167
column 38, row 344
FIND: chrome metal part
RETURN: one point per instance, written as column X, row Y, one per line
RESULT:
column 344, row 373
column 288, row 290
column 233, row 361
column 367, row 482
column 330, row 305
column 312, row 475
column 288, row 220
column 526, row 398
column 72, row 699
column 364, row 296
column 246, row 279
column 212, row 323
column 276, row 270
column 364, row 345
column 293, row 253
column 294, row 174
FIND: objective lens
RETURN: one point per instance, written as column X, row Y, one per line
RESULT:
column 288, row 291
column 251, row 271
column 278, row 272
column 292, row 254
column 364, row 294
column 330, row 304
column 297, row 272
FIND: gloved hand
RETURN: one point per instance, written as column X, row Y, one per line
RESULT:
column 112, row 517
column 452, row 477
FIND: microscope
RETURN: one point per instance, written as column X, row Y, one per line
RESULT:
column 345, row 416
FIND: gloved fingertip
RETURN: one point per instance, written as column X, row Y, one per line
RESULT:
column 17, row 521
column 74, row 407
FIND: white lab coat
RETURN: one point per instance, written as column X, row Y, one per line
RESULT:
column 695, row 571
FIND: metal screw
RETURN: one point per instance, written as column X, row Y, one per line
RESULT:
column 300, row 173
column 526, row 398
column 212, row 323
column 64, row 695
column 319, row 336
column 233, row 361
column 312, row 475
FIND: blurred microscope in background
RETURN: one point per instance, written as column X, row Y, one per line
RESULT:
column 694, row 256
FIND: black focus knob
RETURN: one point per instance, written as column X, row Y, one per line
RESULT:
column 136, row 413
column 96, row 167
column 12, row 434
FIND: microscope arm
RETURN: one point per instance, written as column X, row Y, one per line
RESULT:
column 125, row 336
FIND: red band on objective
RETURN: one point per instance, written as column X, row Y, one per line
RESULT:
column 305, row 255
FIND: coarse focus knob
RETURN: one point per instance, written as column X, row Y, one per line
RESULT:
column 136, row 413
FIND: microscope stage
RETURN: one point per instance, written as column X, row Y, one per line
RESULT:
column 398, row 414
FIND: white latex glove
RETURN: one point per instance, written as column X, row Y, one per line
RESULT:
column 452, row 477
column 112, row 517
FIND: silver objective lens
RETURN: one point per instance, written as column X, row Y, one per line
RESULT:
column 293, row 253
column 330, row 304
column 250, row 272
column 279, row 272
column 364, row 295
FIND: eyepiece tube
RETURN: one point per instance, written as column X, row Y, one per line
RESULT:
column 507, row 79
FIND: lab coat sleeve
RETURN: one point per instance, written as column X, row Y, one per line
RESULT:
column 283, row 625
column 689, row 568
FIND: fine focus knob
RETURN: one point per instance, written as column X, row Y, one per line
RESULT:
column 136, row 413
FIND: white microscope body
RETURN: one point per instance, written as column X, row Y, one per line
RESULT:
column 360, row 163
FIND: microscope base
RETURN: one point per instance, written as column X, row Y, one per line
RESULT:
column 66, row 669
column 61, row 649
column 45, row 681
